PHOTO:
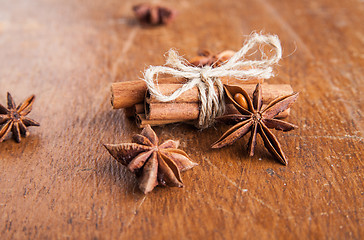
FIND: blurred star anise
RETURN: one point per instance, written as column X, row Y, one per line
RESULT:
column 149, row 14
column 153, row 165
column 13, row 119
column 252, row 118
column 206, row 58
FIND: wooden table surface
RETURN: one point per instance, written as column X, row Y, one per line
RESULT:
column 60, row 183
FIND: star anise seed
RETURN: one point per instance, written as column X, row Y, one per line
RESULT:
column 13, row 119
column 255, row 120
column 153, row 165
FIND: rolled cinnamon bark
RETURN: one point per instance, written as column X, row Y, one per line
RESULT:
column 126, row 94
column 172, row 110
column 270, row 92
column 131, row 111
column 180, row 112
column 141, row 121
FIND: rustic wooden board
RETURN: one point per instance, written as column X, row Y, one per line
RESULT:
column 61, row 183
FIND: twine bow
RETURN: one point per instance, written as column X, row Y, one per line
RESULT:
column 212, row 104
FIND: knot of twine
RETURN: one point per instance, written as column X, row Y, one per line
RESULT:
column 212, row 105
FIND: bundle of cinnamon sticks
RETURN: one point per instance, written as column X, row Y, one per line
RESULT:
column 138, row 102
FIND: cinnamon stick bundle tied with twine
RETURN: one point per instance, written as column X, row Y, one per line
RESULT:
column 185, row 108
column 206, row 79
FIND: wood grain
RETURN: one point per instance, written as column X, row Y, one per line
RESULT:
column 60, row 183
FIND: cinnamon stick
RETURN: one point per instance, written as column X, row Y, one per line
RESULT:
column 137, row 108
column 126, row 94
column 172, row 110
column 141, row 121
column 270, row 92
column 180, row 112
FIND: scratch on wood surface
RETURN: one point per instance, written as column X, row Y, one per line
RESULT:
column 321, row 190
column 272, row 11
column 236, row 195
column 226, row 177
column 342, row 211
column 326, row 73
column 265, row 204
column 345, row 137
column 128, row 43
column 224, row 210
column 243, row 190
column 135, row 212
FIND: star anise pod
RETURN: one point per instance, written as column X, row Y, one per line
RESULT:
column 153, row 165
column 149, row 14
column 206, row 58
column 13, row 119
column 252, row 118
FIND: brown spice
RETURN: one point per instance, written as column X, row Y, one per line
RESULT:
column 256, row 120
column 136, row 109
column 126, row 94
column 206, row 58
column 153, row 164
column 271, row 92
column 142, row 121
column 149, row 14
column 13, row 119
column 187, row 106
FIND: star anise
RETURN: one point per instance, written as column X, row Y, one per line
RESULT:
column 206, row 58
column 149, row 14
column 13, row 119
column 252, row 118
column 153, row 165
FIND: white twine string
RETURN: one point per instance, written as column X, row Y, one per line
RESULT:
column 212, row 104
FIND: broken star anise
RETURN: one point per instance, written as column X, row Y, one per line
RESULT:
column 13, row 119
column 149, row 14
column 252, row 118
column 153, row 165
